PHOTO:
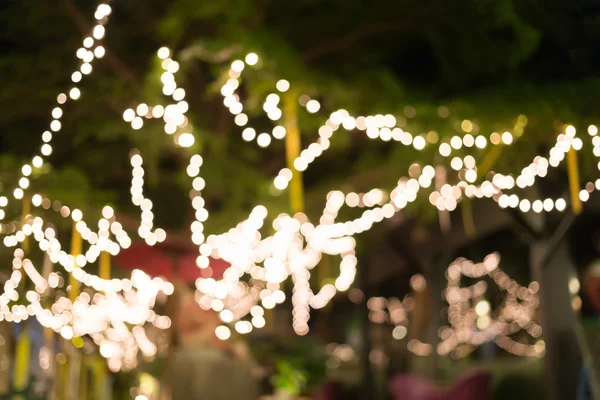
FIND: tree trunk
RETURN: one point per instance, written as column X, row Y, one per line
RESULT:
column 563, row 360
column 367, row 387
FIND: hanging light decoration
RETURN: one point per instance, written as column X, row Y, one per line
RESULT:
column 297, row 244
column 472, row 319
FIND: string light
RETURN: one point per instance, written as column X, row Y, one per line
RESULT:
column 103, row 315
column 467, row 308
column 297, row 245
column 471, row 317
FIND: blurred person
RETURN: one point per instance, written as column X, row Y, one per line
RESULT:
column 204, row 367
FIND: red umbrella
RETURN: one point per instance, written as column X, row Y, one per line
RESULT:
column 188, row 269
column 171, row 259
column 146, row 258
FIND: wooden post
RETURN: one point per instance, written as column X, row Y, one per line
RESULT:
column 73, row 371
column 466, row 212
column 22, row 357
column 563, row 360
column 496, row 151
column 436, row 283
column 367, row 383
column 104, row 265
column 83, row 379
column 26, row 210
column 573, row 171
column 292, row 150
column 76, row 245
column 23, row 348
column 443, row 215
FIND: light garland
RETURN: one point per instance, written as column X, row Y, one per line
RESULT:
column 384, row 128
column 472, row 320
column 118, row 304
column 297, row 245
column 291, row 252
column 468, row 310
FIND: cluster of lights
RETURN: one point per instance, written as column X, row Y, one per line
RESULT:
column 145, row 204
column 471, row 317
column 269, row 261
column 115, row 314
column 271, row 105
column 243, row 246
column 91, row 50
column 105, row 316
column 173, row 114
column 384, row 127
column 392, row 311
column 297, row 245
column 474, row 322
column 293, row 250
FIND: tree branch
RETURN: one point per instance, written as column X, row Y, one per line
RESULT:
column 349, row 39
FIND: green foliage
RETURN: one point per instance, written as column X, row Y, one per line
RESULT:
column 288, row 378
column 487, row 61
column 298, row 362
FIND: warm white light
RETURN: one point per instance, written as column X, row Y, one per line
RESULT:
column 313, row 106
column 237, row 66
column 222, row 332
column 263, row 140
column 251, row 59
column 282, row 85
column 98, row 32
column 507, row 138
column 74, row 93
column 129, row 115
column 164, row 53
column 37, row 161
column 186, row 140
column 419, row 142
column 142, row 109
column 445, row 149
column 137, row 123
column 279, row 132
column 399, row 332
column 99, row 52
column 26, row 170
column 482, row 308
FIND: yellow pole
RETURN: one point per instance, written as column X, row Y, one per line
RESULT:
column 292, row 150
column 23, row 348
column 83, row 379
column 26, row 210
column 496, row 151
column 98, row 366
column 23, row 353
column 104, row 266
column 62, row 378
column 467, row 217
column 441, row 178
column 76, row 245
column 573, row 171
column 323, row 270
column 48, row 332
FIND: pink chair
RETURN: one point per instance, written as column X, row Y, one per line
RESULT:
column 411, row 387
column 474, row 386
column 330, row 391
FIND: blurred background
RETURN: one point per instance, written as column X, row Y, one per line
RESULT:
column 467, row 288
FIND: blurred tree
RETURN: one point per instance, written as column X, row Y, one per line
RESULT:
column 488, row 61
